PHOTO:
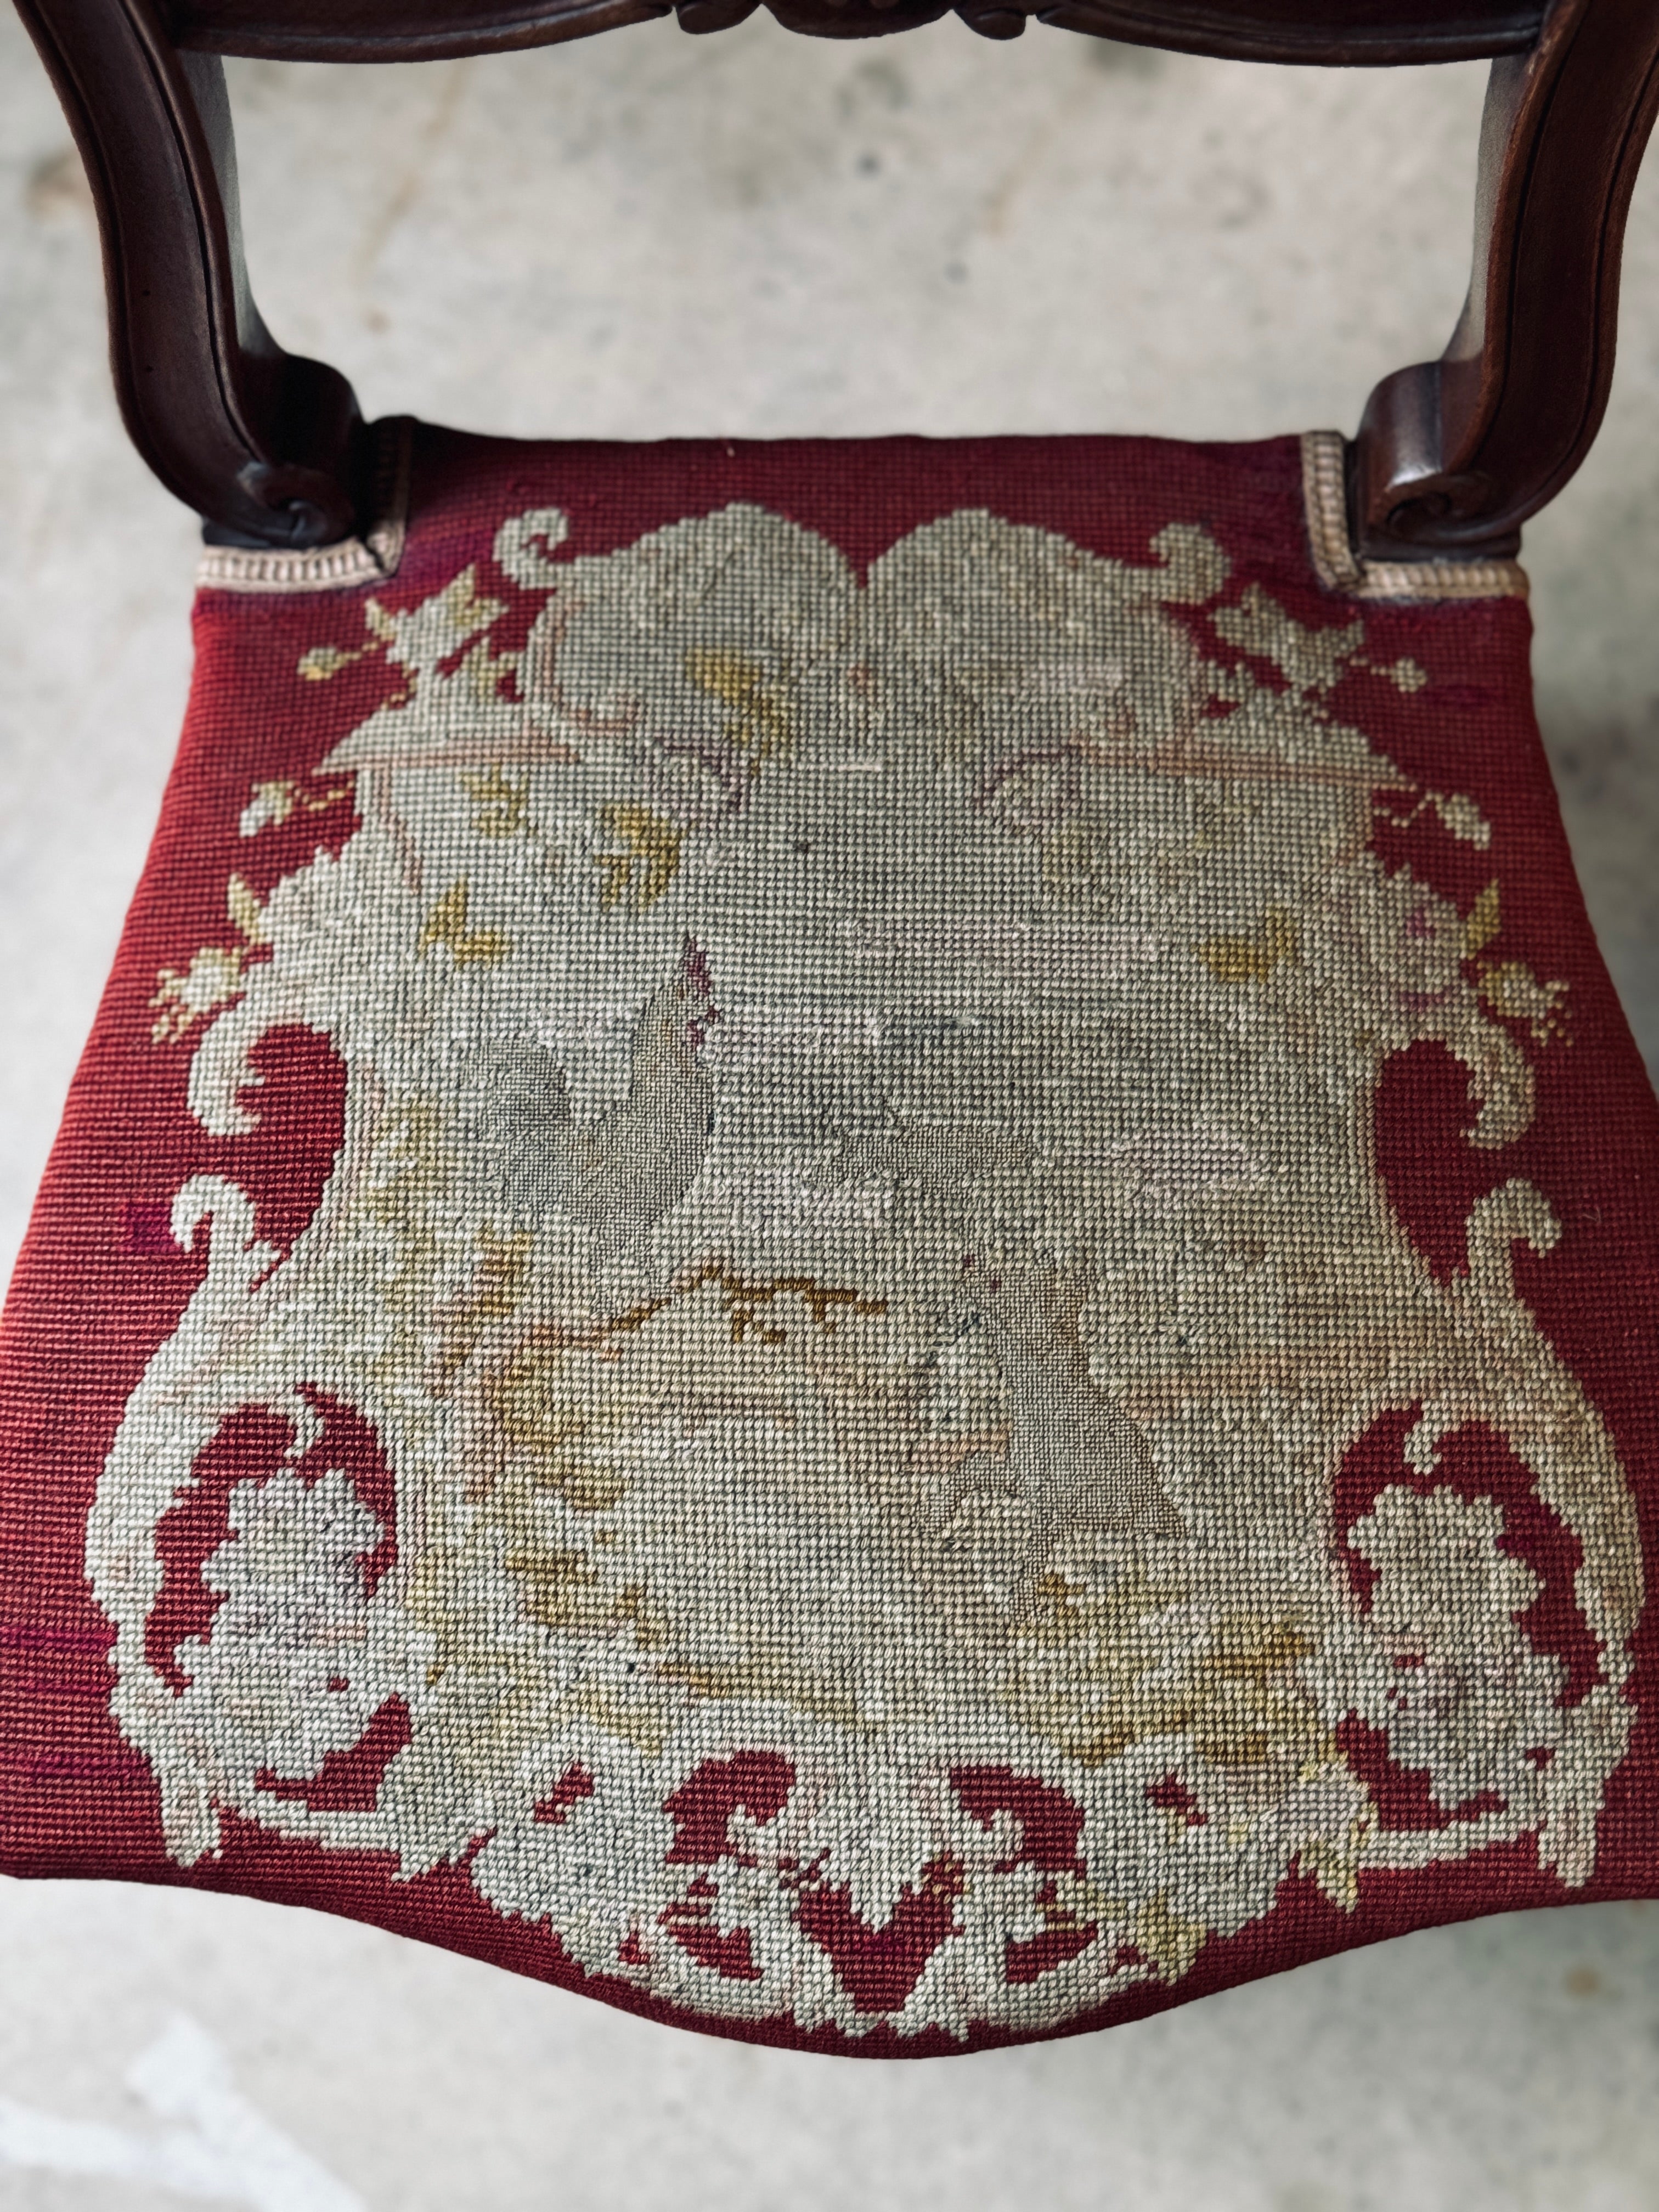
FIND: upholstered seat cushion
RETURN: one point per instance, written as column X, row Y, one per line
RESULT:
column 858, row 1245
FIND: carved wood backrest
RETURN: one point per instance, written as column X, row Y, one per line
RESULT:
column 1451, row 456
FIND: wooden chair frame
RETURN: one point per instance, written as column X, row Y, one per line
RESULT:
column 1451, row 456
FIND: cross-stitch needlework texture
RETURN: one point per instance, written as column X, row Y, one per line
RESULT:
column 860, row 1246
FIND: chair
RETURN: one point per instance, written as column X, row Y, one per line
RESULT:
column 858, row 1244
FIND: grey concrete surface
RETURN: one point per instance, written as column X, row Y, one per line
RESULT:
column 648, row 235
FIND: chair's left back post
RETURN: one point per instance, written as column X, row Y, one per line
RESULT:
column 265, row 446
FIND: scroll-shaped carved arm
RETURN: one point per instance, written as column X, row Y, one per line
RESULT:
column 1453, row 456
column 263, row 443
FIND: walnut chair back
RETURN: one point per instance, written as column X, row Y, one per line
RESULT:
column 1451, row 457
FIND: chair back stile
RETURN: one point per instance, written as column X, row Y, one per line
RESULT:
column 1451, row 457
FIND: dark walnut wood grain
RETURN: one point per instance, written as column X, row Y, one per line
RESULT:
column 1451, row 457
column 1373, row 31
column 263, row 445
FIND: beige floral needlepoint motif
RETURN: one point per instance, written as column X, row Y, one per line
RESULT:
column 859, row 1235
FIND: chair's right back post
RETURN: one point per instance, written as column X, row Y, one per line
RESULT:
column 1453, row 456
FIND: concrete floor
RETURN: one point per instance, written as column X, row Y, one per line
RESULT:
column 651, row 234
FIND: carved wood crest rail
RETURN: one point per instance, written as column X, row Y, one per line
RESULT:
column 1451, row 456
